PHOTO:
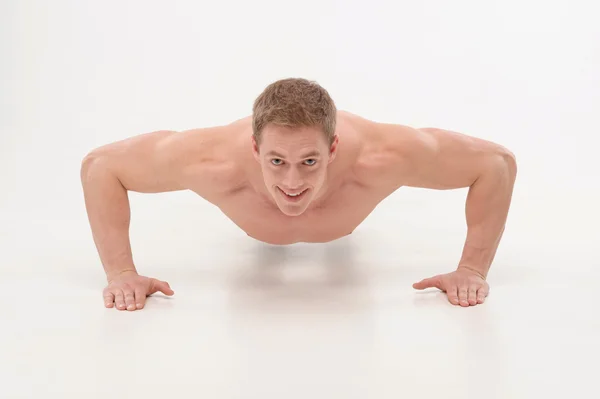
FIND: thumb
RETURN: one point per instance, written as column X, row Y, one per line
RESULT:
column 161, row 286
column 428, row 283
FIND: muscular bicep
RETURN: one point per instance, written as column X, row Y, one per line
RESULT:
column 438, row 159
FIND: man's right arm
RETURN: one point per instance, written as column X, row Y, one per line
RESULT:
column 107, row 173
column 148, row 163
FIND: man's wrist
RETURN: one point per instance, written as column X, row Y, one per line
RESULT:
column 472, row 269
column 110, row 277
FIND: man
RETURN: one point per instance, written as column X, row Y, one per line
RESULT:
column 297, row 170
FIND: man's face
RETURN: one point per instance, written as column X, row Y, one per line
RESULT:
column 294, row 165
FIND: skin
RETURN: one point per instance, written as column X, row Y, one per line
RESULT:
column 341, row 181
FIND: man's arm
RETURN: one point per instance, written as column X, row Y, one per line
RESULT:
column 138, row 163
column 487, row 206
column 442, row 159
column 159, row 161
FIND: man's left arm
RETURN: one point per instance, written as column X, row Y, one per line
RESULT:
column 443, row 159
column 487, row 206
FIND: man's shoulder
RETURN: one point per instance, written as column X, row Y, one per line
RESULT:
column 210, row 158
column 378, row 144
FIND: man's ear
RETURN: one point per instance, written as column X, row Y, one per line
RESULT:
column 255, row 150
column 333, row 148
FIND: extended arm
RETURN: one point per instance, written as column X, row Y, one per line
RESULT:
column 487, row 206
column 159, row 161
column 442, row 159
column 143, row 163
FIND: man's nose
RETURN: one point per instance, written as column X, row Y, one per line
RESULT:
column 292, row 179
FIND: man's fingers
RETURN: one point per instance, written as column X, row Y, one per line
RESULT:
column 119, row 298
column 129, row 297
column 462, row 296
column 140, row 297
column 162, row 286
column 109, row 298
column 481, row 294
column 472, row 295
column 452, row 293
column 428, row 283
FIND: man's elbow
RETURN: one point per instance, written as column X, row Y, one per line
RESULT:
column 86, row 163
column 507, row 164
column 511, row 161
column 503, row 162
column 90, row 164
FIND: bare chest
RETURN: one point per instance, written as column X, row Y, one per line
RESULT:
column 264, row 222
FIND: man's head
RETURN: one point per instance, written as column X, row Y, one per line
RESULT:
column 293, row 122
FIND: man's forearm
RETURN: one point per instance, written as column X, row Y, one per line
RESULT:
column 107, row 206
column 487, row 206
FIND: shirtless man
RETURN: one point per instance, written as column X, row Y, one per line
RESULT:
column 297, row 170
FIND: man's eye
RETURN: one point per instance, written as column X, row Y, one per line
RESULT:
column 276, row 161
column 311, row 162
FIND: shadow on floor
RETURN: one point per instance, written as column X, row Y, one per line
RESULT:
column 300, row 278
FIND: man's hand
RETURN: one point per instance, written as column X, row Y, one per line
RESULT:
column 128, row 291
column 463, row 287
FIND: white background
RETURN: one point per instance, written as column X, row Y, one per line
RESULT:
column 338, row 320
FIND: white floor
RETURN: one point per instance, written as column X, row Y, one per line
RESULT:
column 334, row 321
column 339, row 320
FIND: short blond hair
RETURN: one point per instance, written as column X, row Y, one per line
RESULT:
column 294, row 102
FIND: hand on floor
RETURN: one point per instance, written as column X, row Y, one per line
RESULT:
column 129, row 291
column 463, row 287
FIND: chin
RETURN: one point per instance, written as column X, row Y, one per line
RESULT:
column 292, row 212
column 291, row 208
